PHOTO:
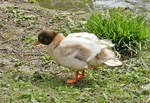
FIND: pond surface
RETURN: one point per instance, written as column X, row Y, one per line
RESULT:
column 141, row 5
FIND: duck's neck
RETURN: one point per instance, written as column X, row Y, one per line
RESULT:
column 58, row 38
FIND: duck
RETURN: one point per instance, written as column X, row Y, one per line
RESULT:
column 78, row 51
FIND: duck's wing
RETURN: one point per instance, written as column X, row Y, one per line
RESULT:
column 106, row 42
column 80, row 48
column 84, row 35
column 91, row 37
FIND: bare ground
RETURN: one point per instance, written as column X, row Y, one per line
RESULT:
column 19, row 19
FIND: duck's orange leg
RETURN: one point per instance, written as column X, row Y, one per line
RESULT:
column 82, row 75
column 75, row 79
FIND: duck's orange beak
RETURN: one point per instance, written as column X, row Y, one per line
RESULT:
column 36, row 43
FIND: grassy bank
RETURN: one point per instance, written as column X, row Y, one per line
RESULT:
column 127, row 29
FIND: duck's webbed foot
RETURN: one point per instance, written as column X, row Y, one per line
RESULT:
column 75, row 79
column 82, row 75
column 77, row 76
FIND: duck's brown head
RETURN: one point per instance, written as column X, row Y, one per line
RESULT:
column 45, row 37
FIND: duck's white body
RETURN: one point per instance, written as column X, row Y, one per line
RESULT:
column 80, row 51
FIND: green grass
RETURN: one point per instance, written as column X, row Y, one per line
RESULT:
column 20, row 14
column 68, row 24
column 103, row 86
column 32, row 1
column 27, row 42
column 1, row 23
column 127, row 29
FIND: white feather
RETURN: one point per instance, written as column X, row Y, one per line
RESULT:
column 79, row 50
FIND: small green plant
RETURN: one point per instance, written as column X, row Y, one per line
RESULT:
column 32, row 1
column 40, row 76
column 1, row 23
column 28, row 39
column 28, row 42
column 20, row 14
column 128, row 30
column 27, row 17
column 34, row 98
column 18, row 63
column 47, row 59
column 10, row 8
column 57, row 17
column 71, row 26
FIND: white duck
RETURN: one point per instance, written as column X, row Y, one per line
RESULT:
column 78, row 51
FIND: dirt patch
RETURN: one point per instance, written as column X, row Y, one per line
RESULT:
column 20, row 22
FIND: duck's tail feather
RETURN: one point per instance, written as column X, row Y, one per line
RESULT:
column 113, row 62
column 106, row 42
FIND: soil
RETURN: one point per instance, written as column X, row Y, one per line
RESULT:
column 20, row 19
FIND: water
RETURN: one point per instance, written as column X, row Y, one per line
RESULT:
column 66, row 4
column 140, row 5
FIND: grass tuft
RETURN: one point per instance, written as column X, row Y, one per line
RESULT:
column 32, row 1
column 128, row 30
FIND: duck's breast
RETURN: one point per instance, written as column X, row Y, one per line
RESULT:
column 66, row 57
